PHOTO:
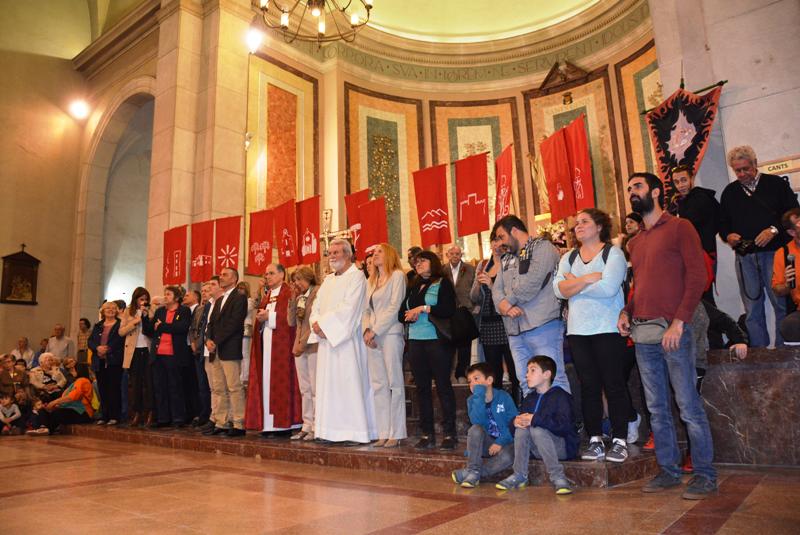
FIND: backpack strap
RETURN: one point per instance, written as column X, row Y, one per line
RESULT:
column 572, row 256
column 606, row 252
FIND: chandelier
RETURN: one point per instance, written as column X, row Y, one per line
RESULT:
column 333, row 20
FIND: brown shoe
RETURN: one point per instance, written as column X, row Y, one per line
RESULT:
column 149, row 420
column 135, row 419
column 392, row 443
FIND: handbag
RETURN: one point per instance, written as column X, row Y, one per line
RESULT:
column 444, row 327
column 463, row 326
column 648, row 331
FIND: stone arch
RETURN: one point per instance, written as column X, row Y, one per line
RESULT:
column 87, row 261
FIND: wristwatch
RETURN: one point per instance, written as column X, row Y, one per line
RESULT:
column 773, row 229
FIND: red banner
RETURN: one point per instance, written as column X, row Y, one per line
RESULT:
column 202, row 267
column 259, row 245
column 472, row 194
column 580, row 163
column 557, row 176
column 503, row 170
column 308, row 229
column 351, row 204
column 227, row 246
column 430, row 192
column 175, row 255
column 373, row 225
column 286, row 233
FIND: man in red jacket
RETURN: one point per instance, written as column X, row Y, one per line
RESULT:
column 670, row 275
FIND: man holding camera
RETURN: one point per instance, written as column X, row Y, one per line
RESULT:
column 750, row 222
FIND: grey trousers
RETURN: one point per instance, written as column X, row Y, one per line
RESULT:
column 543, row 445
column 478, row 442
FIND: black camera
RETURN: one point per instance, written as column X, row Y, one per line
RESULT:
column 745, row 247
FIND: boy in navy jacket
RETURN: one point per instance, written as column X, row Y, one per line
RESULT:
column 545, row 428
column 491, row 413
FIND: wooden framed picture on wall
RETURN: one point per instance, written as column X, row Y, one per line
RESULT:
column 20, row 275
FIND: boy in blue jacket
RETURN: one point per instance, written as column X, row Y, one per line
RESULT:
column 545, row 428
column 491, row 413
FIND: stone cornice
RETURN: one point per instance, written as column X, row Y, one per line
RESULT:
column 127, row 33
column 598, row 36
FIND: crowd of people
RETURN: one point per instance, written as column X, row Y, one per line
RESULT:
column 324, row 360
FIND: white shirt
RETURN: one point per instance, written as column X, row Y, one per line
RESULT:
column 208, row 318
column 455, row 271
column 225, row 297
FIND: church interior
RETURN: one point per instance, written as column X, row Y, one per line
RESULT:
column 127, row 121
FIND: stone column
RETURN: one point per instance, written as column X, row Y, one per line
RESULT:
column 174, row 126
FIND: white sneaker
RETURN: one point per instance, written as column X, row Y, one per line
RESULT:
column 309, row 437
column 633, row 429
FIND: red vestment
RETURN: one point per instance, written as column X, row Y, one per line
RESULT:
column 284, row 401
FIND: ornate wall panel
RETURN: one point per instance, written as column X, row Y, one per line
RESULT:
column 383, row 146
column 640, row 89
column 282, row 125
column 548, row 110
column 463, row 128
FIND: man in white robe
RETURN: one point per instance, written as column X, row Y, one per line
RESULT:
column 344, row 410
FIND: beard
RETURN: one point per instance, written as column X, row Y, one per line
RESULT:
column 513, row 245
column 642, row 206
column 336, row 265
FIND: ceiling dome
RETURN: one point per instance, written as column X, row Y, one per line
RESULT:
column 468, row 21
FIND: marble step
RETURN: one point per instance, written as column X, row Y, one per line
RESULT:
column 405, row 459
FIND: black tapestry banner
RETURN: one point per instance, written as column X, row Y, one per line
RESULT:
column 679, row 129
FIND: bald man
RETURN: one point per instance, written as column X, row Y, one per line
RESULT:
column 462, row 275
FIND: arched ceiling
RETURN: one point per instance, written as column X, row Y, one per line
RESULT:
column 467, row 21
column 58, row 28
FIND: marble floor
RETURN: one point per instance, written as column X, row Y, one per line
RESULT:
column 73, row 484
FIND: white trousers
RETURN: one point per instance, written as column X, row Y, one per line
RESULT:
column 386, row 376
column 306, row 365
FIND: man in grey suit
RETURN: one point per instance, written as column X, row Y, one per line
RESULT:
column 462, row 275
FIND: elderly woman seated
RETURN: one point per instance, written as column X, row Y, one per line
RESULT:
column 47, row 379
column 74, row 406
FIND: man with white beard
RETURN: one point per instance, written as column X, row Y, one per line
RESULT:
column 344, row 410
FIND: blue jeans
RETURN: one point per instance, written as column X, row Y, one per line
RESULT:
column 478, row 442
column 542, row 444
column 203, row 388
column 547, row 339
column 754, row 273
column 660, row 369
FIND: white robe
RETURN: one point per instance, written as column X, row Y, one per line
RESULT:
column 344, row 406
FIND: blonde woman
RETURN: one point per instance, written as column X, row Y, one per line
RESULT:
column 304, row 286
column 383, row 335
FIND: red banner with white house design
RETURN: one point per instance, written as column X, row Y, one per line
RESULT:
column 286, row 233
column 259, row 246
column 202, row 265
column 351, row 204
column 175, row 256
column 430, row 192
column 308, row 229
column 227, row 243
column 472, row 194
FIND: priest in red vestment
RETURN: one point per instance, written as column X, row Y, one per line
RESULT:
column 273, row 395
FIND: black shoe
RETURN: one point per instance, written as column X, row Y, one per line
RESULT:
column 448, row 443
column 208, row 426
column 661, row 482
column 425, row 442
column 178, row 425
column 235, row 433
column 196, row 421
column 216, row 431
column 162, row 425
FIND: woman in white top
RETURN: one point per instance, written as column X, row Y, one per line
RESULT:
column 135, row 320
column 383, row 335
column 247, row 339
column 590, row 277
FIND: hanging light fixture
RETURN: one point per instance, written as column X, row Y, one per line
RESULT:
column 333, row 20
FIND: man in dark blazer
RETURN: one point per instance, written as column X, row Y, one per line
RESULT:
column 224, row 342
column 197, row 340
column 462, row 275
